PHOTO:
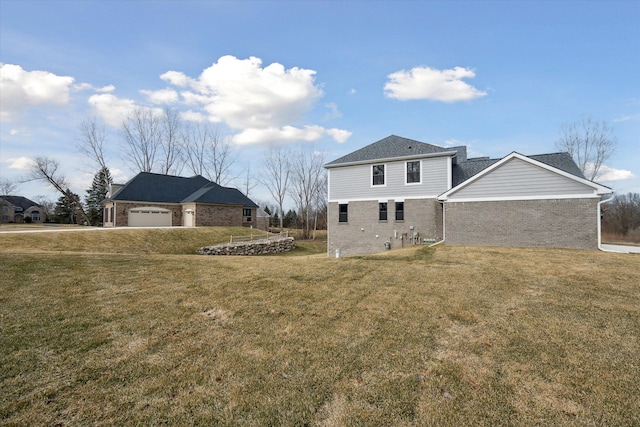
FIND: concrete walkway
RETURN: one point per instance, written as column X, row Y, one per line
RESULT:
column 622, row 249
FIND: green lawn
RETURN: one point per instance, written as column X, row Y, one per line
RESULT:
column 140, row 331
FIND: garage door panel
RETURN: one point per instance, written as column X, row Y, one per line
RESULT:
column 149, row 217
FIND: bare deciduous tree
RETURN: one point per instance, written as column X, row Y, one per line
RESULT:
column 91, row 141
column 141, row 131
column 7, row 187
column 589, row 142
column 48, row 206
column 277, row 169
column 622, row 215
column 208, row 152
column 171, row 145
column 45, row 169
column 307, row 174
column 249, row 183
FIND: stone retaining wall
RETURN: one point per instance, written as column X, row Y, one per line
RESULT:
column 256, row 247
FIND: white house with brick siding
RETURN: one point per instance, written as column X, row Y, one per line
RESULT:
column 398, row 192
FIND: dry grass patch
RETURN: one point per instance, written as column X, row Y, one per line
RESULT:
column 446, row 336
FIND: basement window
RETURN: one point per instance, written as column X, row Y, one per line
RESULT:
column 399, row 211
column 382, row 211
column 343, row 212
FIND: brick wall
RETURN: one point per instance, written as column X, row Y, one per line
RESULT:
column 560, row 223
column 365, row 233
column 219, row 215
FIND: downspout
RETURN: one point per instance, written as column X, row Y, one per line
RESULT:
column 600, row 222
column 444, row 232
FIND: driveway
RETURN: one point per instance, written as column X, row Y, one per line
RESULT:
column 622, row 249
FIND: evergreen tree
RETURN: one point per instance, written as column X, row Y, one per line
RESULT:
column 67, row 208
column 290, row 219
column 96, row 194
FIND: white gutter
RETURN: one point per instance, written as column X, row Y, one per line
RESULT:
column 600, row 222
column 444, row 222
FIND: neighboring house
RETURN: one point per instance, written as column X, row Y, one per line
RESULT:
column 398, row 192
column 17, row 208
column 151, row 199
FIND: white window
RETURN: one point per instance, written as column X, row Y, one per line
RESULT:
column 377, row 172
column 413, row 172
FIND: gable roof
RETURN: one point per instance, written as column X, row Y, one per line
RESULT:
column 392, row 147
column 560, row 163
column 462, row 171
column 157, row 188
column 20, row 202
column 214, row 193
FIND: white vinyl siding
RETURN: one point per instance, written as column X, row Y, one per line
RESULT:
column 354, row 182
column 517, row 178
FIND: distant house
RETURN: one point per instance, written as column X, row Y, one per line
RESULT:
column 397, row 192
column 151, row 199
column 17, row 209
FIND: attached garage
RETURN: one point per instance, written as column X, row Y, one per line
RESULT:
column 520, row 201
column 149, row 217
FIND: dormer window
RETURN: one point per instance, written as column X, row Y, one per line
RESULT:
column 378, row 175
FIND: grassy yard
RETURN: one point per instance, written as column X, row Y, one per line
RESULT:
column 139, row 331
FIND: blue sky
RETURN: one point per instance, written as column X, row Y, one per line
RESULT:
column 497, row 76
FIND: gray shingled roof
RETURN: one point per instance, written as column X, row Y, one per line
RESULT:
column 214, row 193
column 157, row 188
column 390, row 147
column 20, row 202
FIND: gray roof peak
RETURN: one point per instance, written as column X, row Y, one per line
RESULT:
column 388, row 148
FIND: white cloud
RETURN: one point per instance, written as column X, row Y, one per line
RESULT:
column 176, row 78
column 263, row 103
column 193, row 116
column 255, row 136
column 111, row 109
column 14, row 131
column 607, row 174
column 339, row 135
column 20, row 163
column 333, row 113
column 430, row 83
column 162, row 96
column 89, row 86
column 21, row 89
column 286, row 134
column 631, row 118
column 118, row 176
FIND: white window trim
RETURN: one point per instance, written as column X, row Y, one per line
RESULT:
column 371, row 175
column 406, row 174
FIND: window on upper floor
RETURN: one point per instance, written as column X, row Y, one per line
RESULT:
column 399, row 211
column 378, row 175
column 343, row 212
column 382, row 211
column 413, row 172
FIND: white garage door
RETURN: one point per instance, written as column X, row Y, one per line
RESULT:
column 149, row 217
